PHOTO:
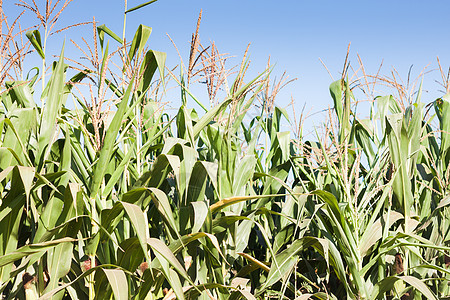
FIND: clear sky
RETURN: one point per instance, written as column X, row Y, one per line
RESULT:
column 294, row 33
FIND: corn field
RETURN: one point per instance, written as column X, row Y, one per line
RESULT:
column 105, row 193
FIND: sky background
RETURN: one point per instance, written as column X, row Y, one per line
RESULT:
column 295, row 34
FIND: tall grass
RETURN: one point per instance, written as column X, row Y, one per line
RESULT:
column 113, row 196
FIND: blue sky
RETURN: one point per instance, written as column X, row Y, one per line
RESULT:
column 294, row 33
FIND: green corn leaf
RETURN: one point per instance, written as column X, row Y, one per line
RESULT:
column 175, row 283
column 442, row 108
column 336, row 94
column 398, row 145
column 139, row 40
column 118, row 282
column 193, row 292
column 255, row 261
column 130, row 254
column 363, row 136
column 244, row 173
column 27, row 176
column 209, row 116
column 388, row 283
column 108, row 145
column 140, row 6
column 199, row 216
column 35, row 38
column 21, row 93
column 162, row 204
column 104, row 63
column 22, row 124
column 152, row 60
column 118, row 171
column 9, row 232
column 51, row 110
column 197, row 184
column 31, row 249
column 83, row 275
column 284, row 262
column 164, row 255
column 60, row 258
column 284, row 143
column 374, row 233
column 77, row 78
column 66, row 159
column 219, row 205
column 177, row 245
column 102, row 29
column 161, row 249
column 137, row 219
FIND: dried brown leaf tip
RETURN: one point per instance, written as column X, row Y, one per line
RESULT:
column 447, row 260
column 398, row 264
column 29, row 284
column 28, row 280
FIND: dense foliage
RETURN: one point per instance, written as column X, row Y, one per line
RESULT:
column 112, row 196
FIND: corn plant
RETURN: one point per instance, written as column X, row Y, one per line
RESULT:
column 104, row 193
